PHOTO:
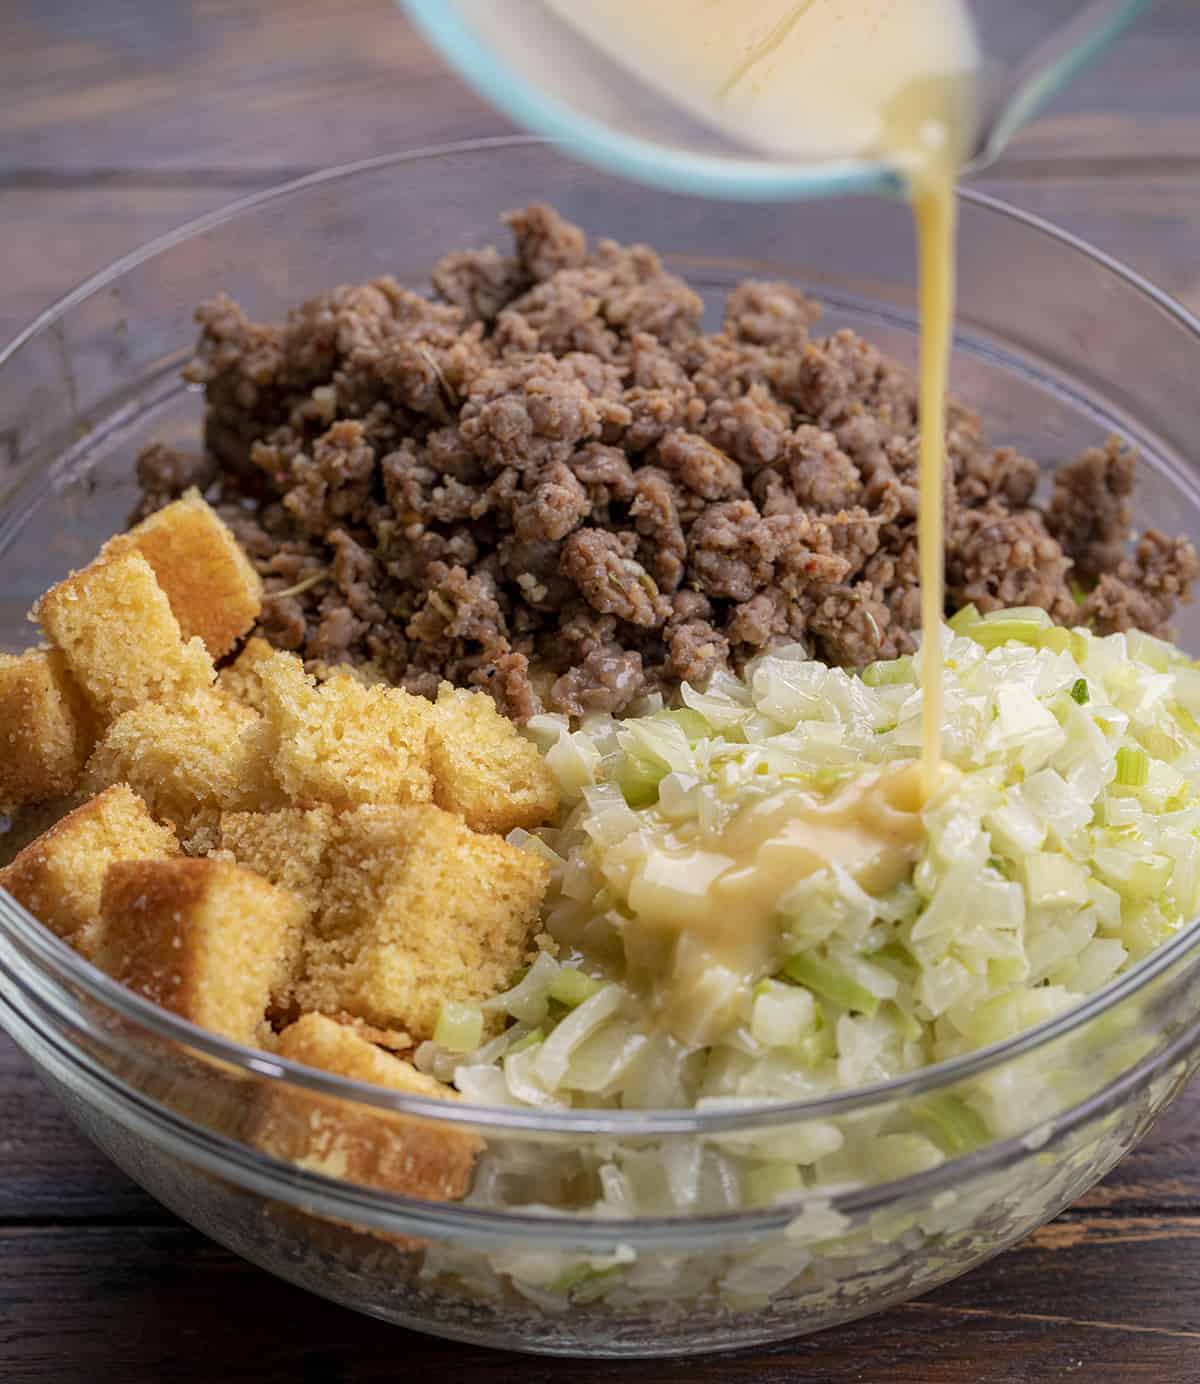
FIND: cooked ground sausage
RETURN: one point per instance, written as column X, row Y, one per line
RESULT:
column 548, row 481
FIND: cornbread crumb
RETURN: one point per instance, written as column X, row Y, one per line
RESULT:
column 214, row 591
column 204, row 938
column 397, row 1153
column 289, row 847
column 59, row 877
column 417, row 909
column 484, row 769
column 190, row 760
column 120, row 638
column 46, row 730
column 343, row 743
column 240, row 678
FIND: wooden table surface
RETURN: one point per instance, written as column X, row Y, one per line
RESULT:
column 123, row 118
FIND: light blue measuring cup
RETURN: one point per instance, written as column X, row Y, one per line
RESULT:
column 545, row 74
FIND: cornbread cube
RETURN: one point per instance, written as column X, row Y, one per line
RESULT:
column 189, row 760
column 484, row 769
column 399, row 1153
column 46, row 728
column 59, row 877
column 240, row 678
column 120, row 638
column 290, row 848
column 214, row 592
column 417, row 909
column 203, row 938
column 343, row 743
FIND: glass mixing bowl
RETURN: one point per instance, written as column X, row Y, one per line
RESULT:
column 1056, row 346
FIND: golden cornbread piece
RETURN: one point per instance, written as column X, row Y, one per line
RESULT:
column 120, row 638
column 342, row 743
column 190, row 759
column 59, row 876
column 214, row 592
column 417, row 909
column 290, row 848
column 206, row 939
column 46, row 730
column 483, row 768
column 398, row 1153
column 240, row 678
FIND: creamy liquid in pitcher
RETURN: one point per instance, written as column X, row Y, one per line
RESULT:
column 892, row 80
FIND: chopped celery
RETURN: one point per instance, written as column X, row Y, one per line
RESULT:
column 1186, row 720
column 1060, row 640
column 961, row 620
column 459, row 1027
column 889, row 672
column 894, row 951
column 831, row 984
column 530, row 1039
column 696, row 852
column 692, row 723
column 767, row 1183
column 952, row 1124
column 1054, row 881
column 638, row 780
column 1140, row 875
column 571, row 987
column 584, row 1282
column 1133, row 767
column 991, row 634
column 596, row 1284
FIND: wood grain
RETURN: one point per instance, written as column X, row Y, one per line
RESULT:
column 124, row 118
column 91, row 1305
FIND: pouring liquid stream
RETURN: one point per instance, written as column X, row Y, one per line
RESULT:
column 890, row 80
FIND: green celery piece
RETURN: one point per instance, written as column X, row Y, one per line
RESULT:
column 961, row 620
column 571, row 987
column 534, row 1036
column 993, row 633
column 693, row 725
column 888, row 672
column 638, row 780
column 1133, row 767
column 831, row 984
column 952, row 1124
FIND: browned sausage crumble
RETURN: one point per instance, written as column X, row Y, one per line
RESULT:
column 549, row 482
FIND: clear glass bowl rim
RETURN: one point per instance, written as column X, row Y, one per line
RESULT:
column 65, row 970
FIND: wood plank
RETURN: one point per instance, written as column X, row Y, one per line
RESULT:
column 252, row 85
column 57, row 237
column 86, row 1305
column 264, row 87
column 48, row 1169
column 1149, row 223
